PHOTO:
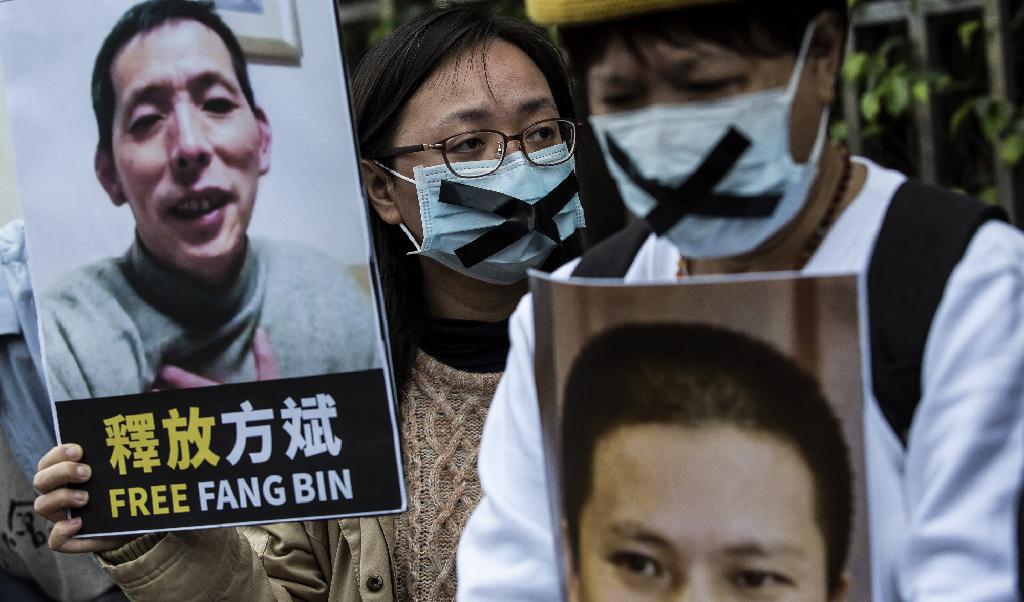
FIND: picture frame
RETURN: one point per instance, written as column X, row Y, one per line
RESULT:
column 266, row 29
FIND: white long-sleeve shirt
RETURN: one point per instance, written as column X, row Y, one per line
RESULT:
column 942, row 511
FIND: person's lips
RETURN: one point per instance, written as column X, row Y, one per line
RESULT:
column 195, row 205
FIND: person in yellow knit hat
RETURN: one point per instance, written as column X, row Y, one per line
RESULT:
column 712, row 118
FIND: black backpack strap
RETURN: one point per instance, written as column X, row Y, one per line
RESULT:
column 925, row 234
column 612, row 257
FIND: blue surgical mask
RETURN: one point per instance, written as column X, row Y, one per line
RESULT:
column 716, row 178
column 496, row 227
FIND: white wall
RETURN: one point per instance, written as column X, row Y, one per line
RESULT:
column 48, row 47
column 10, row 205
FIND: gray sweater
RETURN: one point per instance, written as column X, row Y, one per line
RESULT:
column 112, row 325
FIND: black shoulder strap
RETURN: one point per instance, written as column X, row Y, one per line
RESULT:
column 925, row 233
column 612, row 257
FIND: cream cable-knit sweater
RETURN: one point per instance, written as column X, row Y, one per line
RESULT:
column 441, row 413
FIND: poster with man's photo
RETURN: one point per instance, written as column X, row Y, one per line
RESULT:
column 199, row 250
column 705, row 436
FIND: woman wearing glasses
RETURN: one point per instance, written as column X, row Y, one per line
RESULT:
column 466, row 124
column 468, row 134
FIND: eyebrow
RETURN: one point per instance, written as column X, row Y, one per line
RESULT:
column 632, row 530
column 535, row 105
column 208, row 79
column 679, row 71
column 759, row 549
column 471, row 115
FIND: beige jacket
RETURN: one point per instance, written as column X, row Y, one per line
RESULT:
column 441, row 418
column 336, row 560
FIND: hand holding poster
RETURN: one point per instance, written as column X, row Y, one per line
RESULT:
column 168, row 256
column 705, row 435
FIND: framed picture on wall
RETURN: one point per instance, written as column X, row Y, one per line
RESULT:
column 267, row 29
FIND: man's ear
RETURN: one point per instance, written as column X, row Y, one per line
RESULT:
column 380, row 191
column 266, row 137
column 826, row 54
column 106, row 173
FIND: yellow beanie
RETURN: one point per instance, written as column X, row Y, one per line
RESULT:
column 580, row 12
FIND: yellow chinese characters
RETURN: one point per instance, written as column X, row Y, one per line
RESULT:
column 133, row 437
column 183, row 434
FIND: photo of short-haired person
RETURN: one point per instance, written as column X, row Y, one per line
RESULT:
column 195, row 300
column 700, row 462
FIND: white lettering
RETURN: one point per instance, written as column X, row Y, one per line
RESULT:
column 303, row 485
column 204, row 494
column 340, row 484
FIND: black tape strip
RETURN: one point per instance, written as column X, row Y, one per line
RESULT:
column 725, row 205
column 694, row 196
column 521, row 218
column 464, row 195
column 490, row 242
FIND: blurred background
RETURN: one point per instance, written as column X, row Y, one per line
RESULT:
column 929, row 87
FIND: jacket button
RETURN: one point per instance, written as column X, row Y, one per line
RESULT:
column 375, row 583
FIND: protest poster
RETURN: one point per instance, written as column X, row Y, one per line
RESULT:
column 200, row 254
column 707, row 433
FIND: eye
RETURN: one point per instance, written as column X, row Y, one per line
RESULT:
column 640, row 565
column 758, row 579
column 219, row 106
column 619, row 101
column 542, row 134
column 712, row 88
column 467, row 145
column 143, row 124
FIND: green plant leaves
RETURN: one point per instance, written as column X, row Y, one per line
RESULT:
column 966, row 32
column 870, row 105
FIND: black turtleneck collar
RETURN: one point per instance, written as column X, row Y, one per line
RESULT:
column 467, row 345
column 185, row 298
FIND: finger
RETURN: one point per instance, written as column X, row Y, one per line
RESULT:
column 67, row 451
column 183, row 379
column 59, row 475
column 62, row 531
column 266, row 361
column 61, row 539
column 53, row 505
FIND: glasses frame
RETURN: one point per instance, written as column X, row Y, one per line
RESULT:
column 519, row 138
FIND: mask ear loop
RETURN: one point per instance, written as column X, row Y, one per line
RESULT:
column 412, row 239
column 794, row 82
column 801, row 62
column 393, row 172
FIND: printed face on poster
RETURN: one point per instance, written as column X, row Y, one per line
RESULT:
column 706, row 433
column 198, row 245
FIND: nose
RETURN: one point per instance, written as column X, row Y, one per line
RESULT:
column 190, row 151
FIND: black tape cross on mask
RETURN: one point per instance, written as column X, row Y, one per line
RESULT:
column 695, row 196
column 521, row 218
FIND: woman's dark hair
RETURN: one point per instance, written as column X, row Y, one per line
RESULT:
column 752, row 27
column 384, row 81
column 698, row 376
column 144, row 17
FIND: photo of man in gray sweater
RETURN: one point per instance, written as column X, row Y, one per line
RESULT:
column 195, row 300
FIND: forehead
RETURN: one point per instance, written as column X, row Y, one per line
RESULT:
column 171, row 52
column 627, row 54
column 710, row 486
column 496, row 76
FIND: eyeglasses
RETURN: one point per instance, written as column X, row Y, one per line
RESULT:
column 491, row 145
